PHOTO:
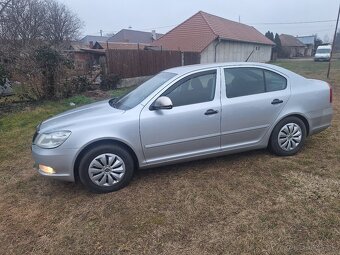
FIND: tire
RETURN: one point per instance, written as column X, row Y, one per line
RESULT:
column 112, row 162
column 288, row 137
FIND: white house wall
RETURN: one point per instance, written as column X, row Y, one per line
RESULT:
column 228, row 51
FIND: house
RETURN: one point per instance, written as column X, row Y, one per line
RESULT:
column 91, row 39
column 133, row 36
column 309, row 42
column 291, row 46
column 119, row 46
column 83, row 56
column 217, row 40
column 76, row 46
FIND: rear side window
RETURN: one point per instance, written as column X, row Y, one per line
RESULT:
column 244, row 81
column 274, row 81
column 194, row 89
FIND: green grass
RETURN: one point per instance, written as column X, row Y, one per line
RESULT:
column 310, row 69
column 121, row 91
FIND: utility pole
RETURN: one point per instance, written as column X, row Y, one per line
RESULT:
column 334, row 38
column 101, row 33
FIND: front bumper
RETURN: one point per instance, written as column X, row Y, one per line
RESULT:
column 61, row 160
column 322, row 59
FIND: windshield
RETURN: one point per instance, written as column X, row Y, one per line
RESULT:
column 323, row 51
column 137, row 95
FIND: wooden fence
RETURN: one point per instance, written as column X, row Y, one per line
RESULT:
column 134, row 63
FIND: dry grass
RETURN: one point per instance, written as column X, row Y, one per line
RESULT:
column 250, row 203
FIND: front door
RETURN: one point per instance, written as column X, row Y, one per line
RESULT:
column 191, row 127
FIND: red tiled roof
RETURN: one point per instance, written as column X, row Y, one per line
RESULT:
column 290, row 41
column 197, row 32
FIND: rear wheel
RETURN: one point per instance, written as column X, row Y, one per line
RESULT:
column 288, row 137
column 106, row 168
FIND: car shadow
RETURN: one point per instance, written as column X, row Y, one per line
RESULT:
column 198, row 165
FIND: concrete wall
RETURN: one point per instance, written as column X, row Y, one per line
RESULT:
column 132, row 82
column 228, row 51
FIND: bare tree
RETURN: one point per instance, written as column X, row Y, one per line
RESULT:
column 23, row 21
column 3, row 5
column 31, row 32
column 61, row 24
column 27, row 21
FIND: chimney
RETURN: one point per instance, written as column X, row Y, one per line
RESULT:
column 91, row 44
column 154, row 36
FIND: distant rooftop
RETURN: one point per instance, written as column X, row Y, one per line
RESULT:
column 133, row 36
column 119, row 46
column 308, row 39
column 93, row 38
column 290, row 41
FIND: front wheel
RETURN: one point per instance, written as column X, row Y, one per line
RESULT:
column 106, row 168
column 288, row 137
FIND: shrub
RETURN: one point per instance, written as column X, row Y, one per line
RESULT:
column 3, row 76
column 75, row 85
column 52, row 65
column 109, row 81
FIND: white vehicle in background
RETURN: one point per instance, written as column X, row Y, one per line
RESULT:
column 323, row 53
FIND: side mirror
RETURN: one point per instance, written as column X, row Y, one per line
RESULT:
column 162, row 103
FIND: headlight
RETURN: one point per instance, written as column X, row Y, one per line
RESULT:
column 52, row 140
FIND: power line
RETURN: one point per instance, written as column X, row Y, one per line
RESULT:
column 264, row 23
column 294, row 23
column 158, row 27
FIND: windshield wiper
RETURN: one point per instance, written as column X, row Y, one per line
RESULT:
column 113, row 101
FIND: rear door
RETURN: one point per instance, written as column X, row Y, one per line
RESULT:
column 252, row 99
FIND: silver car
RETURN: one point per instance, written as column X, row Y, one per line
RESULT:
column 182, row 114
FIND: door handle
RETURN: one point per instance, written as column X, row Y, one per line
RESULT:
column 211, row 112
column 277, row 101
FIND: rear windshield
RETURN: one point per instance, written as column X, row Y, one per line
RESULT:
column 137, row 95
column 322, row 51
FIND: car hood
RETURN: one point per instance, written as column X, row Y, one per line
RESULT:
column 79, row 116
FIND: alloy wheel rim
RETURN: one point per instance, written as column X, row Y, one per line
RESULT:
column 106, row 170
column 290, row 136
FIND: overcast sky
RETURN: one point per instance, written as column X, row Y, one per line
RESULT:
column 111, row 15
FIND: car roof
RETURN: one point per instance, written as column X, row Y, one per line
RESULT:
column 191, row 68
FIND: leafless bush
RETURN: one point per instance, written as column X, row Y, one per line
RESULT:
column 32, row 33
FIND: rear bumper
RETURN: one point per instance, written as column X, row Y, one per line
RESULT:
column 320, row 120
column 61, row 160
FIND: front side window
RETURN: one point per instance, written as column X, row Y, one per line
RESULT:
column 197, row 88
column 244, row 81
column 137, row 95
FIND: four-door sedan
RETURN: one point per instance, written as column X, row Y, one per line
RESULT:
column 181, row 114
